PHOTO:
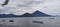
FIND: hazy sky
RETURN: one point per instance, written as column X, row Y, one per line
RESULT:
column 19, row 7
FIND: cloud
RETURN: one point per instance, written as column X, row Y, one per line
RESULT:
column 51, row 7
column 19, row 7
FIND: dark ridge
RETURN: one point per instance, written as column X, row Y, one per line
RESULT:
column 26, row 15
column 7, row 15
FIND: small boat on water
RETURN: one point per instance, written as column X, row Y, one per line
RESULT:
column 40, row 22
column 51, row 18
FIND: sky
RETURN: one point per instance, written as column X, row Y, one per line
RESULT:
column 19, row 7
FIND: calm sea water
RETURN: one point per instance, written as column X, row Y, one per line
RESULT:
column 28, row 21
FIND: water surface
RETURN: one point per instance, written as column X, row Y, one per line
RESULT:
column 28, row 21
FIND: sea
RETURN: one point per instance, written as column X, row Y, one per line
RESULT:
column 28, row 22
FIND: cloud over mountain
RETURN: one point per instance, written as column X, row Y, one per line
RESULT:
column 19, row 7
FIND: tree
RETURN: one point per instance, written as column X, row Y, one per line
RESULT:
column 5, row 3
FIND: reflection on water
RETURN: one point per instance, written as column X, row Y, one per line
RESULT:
column 31, row 21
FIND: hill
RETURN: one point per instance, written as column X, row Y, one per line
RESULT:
column 26, row 15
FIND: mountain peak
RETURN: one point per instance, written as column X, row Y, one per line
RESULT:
column 38, row 13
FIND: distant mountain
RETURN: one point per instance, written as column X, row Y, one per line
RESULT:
column 12, row 15
column 8, row 15
column 35, row 14
column 26, row 15
column 39, row 14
